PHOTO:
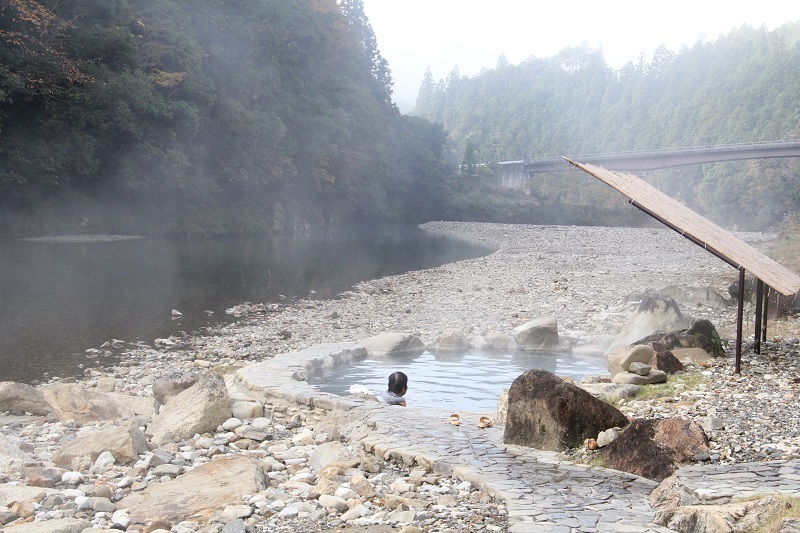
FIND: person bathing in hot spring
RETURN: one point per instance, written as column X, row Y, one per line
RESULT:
column 398, row 385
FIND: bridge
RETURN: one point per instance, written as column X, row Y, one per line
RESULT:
column 514, row 174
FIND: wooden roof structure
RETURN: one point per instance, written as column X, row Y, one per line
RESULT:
column 706, row 234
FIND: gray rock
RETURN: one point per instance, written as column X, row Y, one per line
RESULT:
column 500, row 341
column 166, row 388
column 478, row 343
column 622, row 357
column 604, row 438
column 450, row 340
column 101, row 505
column 20, row 398
column 735, row 516
column 655, row 448
column 11, row 455
column 73, row 402
column 324, row 454
column 629, row 378
column 106, row 384
column 611, row 392
column 655, row 312
column 539, row 334
column 712, row 423
column 333, row 502
column 197, row 494
column 247, row 410
column 392, row 344
column 62, row 525
column 200, row 408
column 124, row 444
column 547, row 413
column 641, row 369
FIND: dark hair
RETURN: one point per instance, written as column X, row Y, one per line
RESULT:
column 398, row 383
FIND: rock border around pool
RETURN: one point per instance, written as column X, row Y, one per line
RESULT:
column 285, row 376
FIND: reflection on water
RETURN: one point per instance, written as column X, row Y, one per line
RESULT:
column 456, row 382
column 58, row 299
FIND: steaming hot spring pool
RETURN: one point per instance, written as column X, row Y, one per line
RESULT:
column 456, row 382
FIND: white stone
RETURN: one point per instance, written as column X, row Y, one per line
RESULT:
column 345, row 493
column 105, row 459
column 237, row 511
column 333, row 502
column 604, row 438
column 304, row 438
column 82, row 503
column 121, row 518
column 261, row 423
column 231, row 424
column 288, row 512
column 402, row 486
column 72, row 478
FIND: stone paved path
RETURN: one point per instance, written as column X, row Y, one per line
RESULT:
column 542, row 493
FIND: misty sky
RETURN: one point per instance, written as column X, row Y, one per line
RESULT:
column 414, row 34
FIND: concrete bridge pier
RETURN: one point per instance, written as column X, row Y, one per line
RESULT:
column 512, row 175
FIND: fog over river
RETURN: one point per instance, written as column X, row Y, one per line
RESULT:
column 58, row 299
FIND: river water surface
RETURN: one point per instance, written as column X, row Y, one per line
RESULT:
column 58, row 299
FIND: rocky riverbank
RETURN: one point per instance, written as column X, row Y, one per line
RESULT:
column 584, row 277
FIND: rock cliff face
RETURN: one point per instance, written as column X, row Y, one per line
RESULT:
column 547, row 413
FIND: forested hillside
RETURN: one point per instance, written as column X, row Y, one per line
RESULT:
column 220, row 116
column 203, row 116
column 742, row 87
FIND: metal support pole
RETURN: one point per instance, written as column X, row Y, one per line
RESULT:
column 764, row 315
column 757, row 322
column 739, row 314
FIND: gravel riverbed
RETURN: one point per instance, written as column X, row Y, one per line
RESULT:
column 586, row 277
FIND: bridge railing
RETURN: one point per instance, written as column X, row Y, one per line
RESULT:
column 662, row 151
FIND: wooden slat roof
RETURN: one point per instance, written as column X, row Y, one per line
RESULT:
column 697, row 228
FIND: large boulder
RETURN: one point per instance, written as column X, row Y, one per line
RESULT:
column 197, row 494
column 500, row 341
column 450, row 340
column 73, row 402
column 621, row 358
column 655, row 312
column 547, row 413
column 666, row 362
column 165, row 388
column 392, row 344
column 691, row 356
column 123, row 443
column 656, row 448
column 706, row 337
column 681, row 510
column 200, row 408
column 536, row 335
column 21, row 398
column 701, row 334
column 736, row 516
column 708, row 297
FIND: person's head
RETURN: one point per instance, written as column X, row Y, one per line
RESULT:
column 398, row 383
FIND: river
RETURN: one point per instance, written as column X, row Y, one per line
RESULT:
column 58, row 299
